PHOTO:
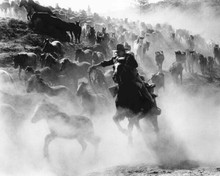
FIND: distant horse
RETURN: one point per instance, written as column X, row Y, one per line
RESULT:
column 91, row 35
column 203, row 64
column 192, row 60
column 62, row 125
column 74, row 70
column 181, row 58
column 53, row 47
column 176, row 71
column 130, row 103
column 210, row 65
column 216, row 52
column 24, row 59
column 159, row 57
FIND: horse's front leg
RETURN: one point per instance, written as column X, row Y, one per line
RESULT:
column 130, row 129
column 19, row 73
column 117, row 118
column 154, row 122
column 71, row 33
column 48, row 139
column 83, row 144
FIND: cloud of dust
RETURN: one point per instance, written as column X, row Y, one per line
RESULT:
column 189, row 125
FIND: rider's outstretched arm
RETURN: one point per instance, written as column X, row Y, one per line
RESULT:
column 103, row 64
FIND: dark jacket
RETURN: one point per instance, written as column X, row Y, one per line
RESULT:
column 128, row 60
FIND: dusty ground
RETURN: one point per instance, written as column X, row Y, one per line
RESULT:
column 146, row 170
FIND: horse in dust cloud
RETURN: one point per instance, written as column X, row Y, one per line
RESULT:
column 36, row 83
column 61, row 125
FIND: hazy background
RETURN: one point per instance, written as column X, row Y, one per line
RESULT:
column 189, row 122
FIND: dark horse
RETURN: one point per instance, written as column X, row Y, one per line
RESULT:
column 54, row 26
column 91, row 35
column 130, row 103
column 32, row 7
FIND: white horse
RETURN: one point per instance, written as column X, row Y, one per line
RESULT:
column 62, row 125
column 139, row 50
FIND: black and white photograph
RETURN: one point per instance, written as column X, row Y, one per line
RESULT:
column 109, row 87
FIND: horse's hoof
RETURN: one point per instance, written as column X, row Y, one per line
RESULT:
column 124, row 131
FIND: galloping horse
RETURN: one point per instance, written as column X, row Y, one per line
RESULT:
column 53, row 47
column 35, row 82
column 74, row 70
column 62, row 125
column 130, row 103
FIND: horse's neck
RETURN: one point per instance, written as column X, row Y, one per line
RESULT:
column 86, row 95
column 55, row 67
column 43, row 87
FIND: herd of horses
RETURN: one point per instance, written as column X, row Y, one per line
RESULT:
column 52, row 74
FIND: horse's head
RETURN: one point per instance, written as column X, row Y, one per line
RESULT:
column 50, row 61
column 99, row 37
column 82, row 87
column 77, row 23
column 104, row 30
column 23, row 3
column 64, row 64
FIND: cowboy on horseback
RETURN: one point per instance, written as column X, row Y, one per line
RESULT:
column 132, row 76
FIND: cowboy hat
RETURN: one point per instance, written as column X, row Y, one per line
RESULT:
column 120, row 47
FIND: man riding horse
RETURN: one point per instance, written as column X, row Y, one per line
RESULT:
column 133, row 94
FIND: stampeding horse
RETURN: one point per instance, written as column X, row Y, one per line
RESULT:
column 130, row 103
column 36, row 83
column 62, row 125
column 74, row 70
column 54, row 47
